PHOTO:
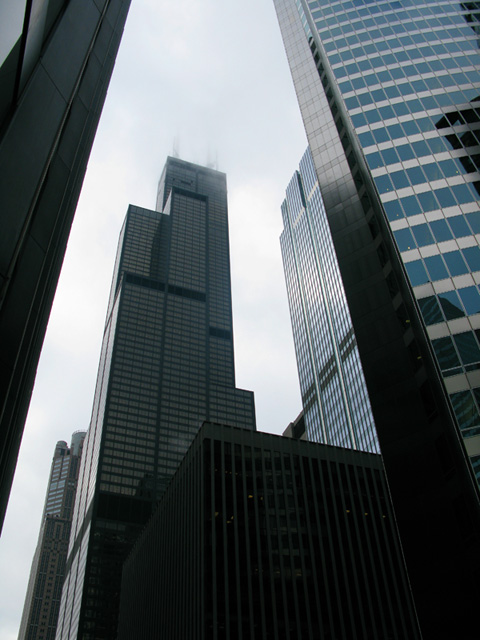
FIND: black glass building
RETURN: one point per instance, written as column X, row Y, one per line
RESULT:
column 166, row 365
column 56, row 59
column 389, row 92
column 260, row 536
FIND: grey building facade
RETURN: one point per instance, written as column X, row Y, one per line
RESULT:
column 379, row 84
column 42, row 601
column 166, row 365
column 260, row 536
column 56, row 59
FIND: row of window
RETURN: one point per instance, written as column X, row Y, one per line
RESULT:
column 457, row 353
column 438, row 267
column 450, row 305
column 422, row 235
column 466, row 407
column 435, row 199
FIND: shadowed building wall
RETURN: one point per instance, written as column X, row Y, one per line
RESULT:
column 56, row 59
column 259, row 536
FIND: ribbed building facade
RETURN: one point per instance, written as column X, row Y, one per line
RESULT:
column 56, row 59
column 42, row 601
column 166, row 366
column 336, row 407
column 260, row 536
column 388, row 95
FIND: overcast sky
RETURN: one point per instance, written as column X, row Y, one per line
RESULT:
column 210, row 79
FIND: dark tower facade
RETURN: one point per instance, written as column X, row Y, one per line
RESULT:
column 56, row 59
column 166, row 365
column 42, row 602
column 389, row 98
column 264, row 537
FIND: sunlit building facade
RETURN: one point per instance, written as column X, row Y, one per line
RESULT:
column 166, row 365
column 336, row 407
column 388, row 93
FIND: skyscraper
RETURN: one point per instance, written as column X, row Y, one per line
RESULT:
column 42, row 601
column 380, row 86
column 56, row 59
column 264, row 537
column 166, row 365
column 336, row 407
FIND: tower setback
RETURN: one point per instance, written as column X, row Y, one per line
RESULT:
column 166, row 365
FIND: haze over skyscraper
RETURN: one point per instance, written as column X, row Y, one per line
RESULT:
column 166, row 366
column 42, row 601
column 56, row 59
column 389, row 97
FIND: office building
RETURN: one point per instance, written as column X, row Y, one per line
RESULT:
column 166, row 365
column 260, row 536
column 388, row 94
column 336, row 407
column 42, row 601
column 56, row 59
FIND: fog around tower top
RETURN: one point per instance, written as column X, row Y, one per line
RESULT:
column 207, row 81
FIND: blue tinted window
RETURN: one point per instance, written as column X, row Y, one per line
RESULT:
column 380, row 135
column 459, row 226
column 416, row 272
column 441, row 230
column 410, row 205
column 390, row 156
column 471, row 299
column 399, row 179
column 393, row 210
column 451, row 305
column 449, row 168
column 405, row 152
column 436, row 268
column 436, row 145
column 420, row 148
column 445, row 352
column 465, row 409
column 445, row 197
column 455, row 263
column 427, row 200
column 430, row 310
column 374, row 160
column 423, row 235
column 372, row 116
column 474, row 221
column 366, row 139
column 395, row 131
column 472, row 256
column 462, row 193
column 432, row 171
column 415, row 175
column 384, row 184
column 404, row 239
column 359, row 120
column 467, row 347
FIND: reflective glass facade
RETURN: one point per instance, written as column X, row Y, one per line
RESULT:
column 408, row 75
column 388, row 95
column 166, row 366
column 336, row 406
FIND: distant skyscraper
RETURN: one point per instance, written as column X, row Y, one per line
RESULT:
column 166, row 366
column 336, row 408
column 42, row 602
column 56, row 59
column 262, row 537
column 389, row 97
